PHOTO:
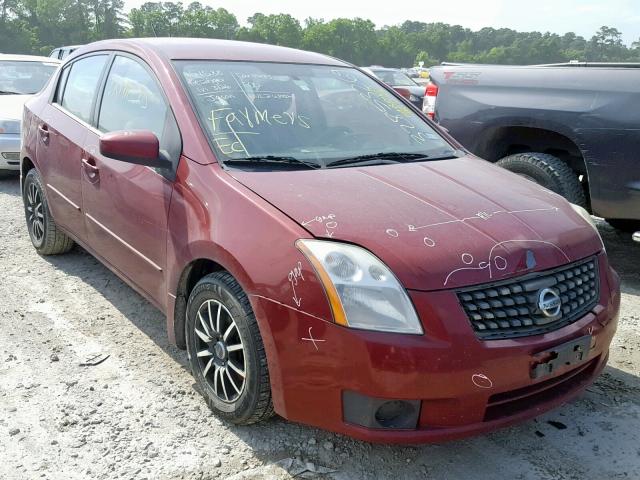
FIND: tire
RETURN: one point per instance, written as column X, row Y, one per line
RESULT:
column 46, row 236
column 548, row 171
column 628, row 226
column 216, row 369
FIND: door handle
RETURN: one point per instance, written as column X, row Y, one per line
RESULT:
column 44, row 132
column 91, row 169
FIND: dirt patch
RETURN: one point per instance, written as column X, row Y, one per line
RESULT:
column 137, row 414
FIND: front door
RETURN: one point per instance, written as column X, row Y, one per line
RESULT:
column 62, row 134
column 126, row 205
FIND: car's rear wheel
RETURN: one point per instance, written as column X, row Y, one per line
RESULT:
column 45, row 235
column 548, row 171
column 226, row 351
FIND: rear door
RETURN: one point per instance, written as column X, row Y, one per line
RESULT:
column 62, row 132
column 127, row 205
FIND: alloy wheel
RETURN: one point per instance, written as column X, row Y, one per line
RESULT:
column 35, row 213
column 220, row 351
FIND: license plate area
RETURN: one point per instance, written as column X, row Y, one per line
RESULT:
column 549, row 361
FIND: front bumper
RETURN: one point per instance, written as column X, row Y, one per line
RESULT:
column 9, row 151
column 439, row 369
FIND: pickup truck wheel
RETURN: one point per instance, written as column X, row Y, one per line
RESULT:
column 629, row 226
column 45, row 236
column 548, row 171
column 226, row 351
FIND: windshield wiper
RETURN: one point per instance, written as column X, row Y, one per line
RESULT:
column 272, row 159
column 394, row 156
column 398, row 157
column 9, row 92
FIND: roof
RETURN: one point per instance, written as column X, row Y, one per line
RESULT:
column 176, row 48
column 27, row 58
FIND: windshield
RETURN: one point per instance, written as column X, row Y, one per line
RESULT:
column 24, row 78
column 394, row 78
column 303, row 115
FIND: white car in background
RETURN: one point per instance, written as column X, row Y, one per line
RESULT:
column 63, row 52
column 21, row 76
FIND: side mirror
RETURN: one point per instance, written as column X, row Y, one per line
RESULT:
column 140, row 147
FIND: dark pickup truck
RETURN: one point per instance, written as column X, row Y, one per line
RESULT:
column 573, row 128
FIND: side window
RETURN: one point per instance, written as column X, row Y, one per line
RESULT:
column 132, row 100
column 81, row 86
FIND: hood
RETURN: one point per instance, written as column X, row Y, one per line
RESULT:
column 11, row 106
column 437, row 225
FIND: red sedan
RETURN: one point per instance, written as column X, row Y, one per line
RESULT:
column 320, row 248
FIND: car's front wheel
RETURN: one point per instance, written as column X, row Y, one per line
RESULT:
column 226, row 351
column 45, row 235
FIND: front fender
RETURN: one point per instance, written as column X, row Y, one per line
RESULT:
column 214, row 217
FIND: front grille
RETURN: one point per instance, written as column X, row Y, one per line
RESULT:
column 11, row 155
column 509, row 309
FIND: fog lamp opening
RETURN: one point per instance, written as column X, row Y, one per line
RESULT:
column 380, row 413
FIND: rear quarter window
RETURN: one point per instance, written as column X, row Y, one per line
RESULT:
column 81, row 86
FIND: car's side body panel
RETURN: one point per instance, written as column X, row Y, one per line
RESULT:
column 59, row 153
column 236, row 224
column 126, row 209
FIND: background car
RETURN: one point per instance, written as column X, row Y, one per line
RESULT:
column 20, row 77
column 400, row 82
column 62, row 52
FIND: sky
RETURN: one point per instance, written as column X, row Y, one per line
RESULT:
column 583, row 17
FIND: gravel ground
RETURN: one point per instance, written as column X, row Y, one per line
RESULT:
column 137, row 414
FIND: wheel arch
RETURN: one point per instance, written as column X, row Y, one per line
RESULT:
column 25, row 166
column 499, row 141
column 189, row 277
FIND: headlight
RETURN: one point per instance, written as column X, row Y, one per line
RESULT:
column 362, row 291
column 9, row 125
column 584, row 214
column 589, row 219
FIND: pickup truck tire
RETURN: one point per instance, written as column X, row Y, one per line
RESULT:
column 548, row 171
column 629, row 226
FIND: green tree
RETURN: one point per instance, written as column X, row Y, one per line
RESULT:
column 424, row 57
column 156, row 19
column 606, row 45
column 354, row 40
column 201, row 21
column 274, row 29
column 37, row 26
column 394, row 48
column 107, row 18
